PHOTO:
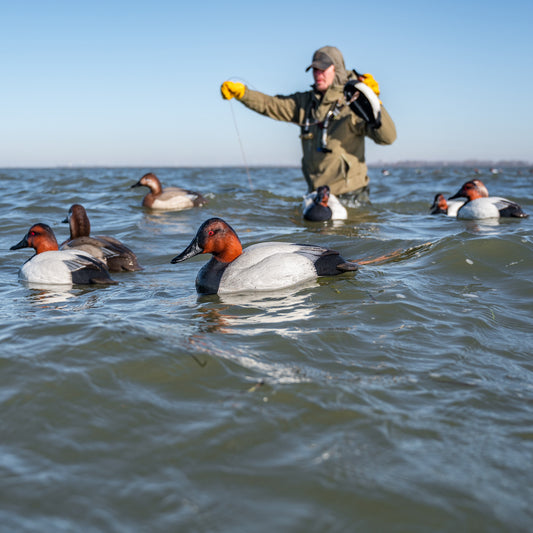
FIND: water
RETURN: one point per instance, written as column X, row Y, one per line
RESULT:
column 398, row 399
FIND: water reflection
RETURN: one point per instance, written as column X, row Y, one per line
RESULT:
column 485, row 226
column 48, row 295
column 52, row 295
column 253, row 313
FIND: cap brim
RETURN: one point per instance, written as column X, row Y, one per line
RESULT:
column 318, row 65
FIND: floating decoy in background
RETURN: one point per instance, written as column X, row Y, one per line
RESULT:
column 265, row 266
column 479, row 206
column 51, row 266
column 169, row 198
column 111, row 251
column 321, row 205
column 450, row 207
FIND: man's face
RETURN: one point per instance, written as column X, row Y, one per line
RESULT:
column 324, row 78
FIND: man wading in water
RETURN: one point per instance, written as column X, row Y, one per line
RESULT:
column 332, row 131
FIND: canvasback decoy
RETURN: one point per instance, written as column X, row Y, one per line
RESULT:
column 49, row 265
column 450, row 207
column 478, row 206
column 441, row 205
column 321, row 205
column 266, row 266
column 117, row 256
column 169, row 198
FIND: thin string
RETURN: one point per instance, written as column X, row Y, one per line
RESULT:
column 241, row 145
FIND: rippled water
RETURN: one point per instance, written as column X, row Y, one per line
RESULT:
column 398, row 399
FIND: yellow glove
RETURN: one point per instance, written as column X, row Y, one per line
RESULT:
column 369, row 80
column 230, row 89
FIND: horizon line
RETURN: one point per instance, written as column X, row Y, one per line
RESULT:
column 378, row 164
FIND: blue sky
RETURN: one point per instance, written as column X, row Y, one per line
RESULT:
column 137, row 83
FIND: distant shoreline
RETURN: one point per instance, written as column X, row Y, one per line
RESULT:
column 467, row 163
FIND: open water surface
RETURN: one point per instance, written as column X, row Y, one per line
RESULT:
column 396, row 399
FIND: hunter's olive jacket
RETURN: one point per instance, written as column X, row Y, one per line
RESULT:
column 340, row 161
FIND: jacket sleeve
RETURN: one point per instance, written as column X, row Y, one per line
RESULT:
column 386, row 133
column 285, row 108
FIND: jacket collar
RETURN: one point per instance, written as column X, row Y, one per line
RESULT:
column 332, row 94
